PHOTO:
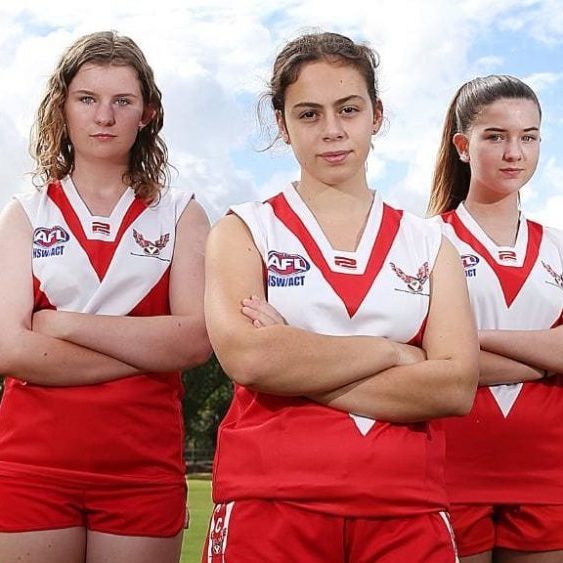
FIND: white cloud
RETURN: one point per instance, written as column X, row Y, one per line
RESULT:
column 553, row 175
column 550, row 212
column 488, row 64
column 546, row 24
column 544, row 202
column 278, row 180
column 540, row 81
column 212, row 57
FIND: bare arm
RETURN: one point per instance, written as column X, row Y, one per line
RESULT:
column 542, row 349
column 495, row 369
column 28, row 355
column 276, row 359
column 442, row 385
column 160, row 343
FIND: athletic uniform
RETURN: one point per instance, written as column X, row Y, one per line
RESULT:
column 319, row 472
column 105, row 456
column 506, row 457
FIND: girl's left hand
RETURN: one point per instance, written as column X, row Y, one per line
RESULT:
column 260, row 312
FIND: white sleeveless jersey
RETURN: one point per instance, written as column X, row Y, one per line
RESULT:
column 510, row 447
column 117, row 265
column 110, row 263
column 293, row 449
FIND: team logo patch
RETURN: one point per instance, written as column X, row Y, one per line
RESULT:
column 469, row 262
column 344, row 262
column 150, row 248
column 414, row 284
column 507, row 255
column 49, row 241
column 286, row 270
column 557, row 278
column 101, row 228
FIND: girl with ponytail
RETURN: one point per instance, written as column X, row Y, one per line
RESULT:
column 504, row 465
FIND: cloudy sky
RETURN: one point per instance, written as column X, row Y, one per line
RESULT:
column 212, row 59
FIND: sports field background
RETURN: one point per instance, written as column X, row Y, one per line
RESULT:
column 200, row 509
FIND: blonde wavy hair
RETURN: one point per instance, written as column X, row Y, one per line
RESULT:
column 148, row 170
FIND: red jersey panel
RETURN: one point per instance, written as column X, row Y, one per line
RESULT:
column 509, row 449
column 130, row 428
column 292, row 449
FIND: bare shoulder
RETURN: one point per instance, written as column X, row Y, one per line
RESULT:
column 193, row 228
column 14, row 216
column 448, row 253
column 195, row 216
column 230, row 228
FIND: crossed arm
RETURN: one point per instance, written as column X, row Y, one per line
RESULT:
column 367, row 375
column 510, row 356
column 63, row 348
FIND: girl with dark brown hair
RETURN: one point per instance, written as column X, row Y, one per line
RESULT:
column 340, row 320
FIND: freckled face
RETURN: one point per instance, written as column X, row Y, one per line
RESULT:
column 503, row 146
column 103, row 111
column 329, row 120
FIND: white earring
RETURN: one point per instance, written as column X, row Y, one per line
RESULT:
column 464, row 157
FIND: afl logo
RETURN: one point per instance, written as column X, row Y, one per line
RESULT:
column 48, row 237
column 284, row 264
column 469, row 262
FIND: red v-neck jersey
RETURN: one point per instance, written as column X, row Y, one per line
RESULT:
column 292, row 449
column 128, row 429
column 509, row 448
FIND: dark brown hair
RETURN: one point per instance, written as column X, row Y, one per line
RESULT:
column 452, row 176
column 313, row 47
column 148, row 168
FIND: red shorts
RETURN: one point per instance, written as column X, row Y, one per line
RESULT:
column 526, row 527
column 258, row 531
column 28, row 504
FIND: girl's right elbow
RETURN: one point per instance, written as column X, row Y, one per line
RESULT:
column 242, row 359
column 241, row 368
column 464, row 404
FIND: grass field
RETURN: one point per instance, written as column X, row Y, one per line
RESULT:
column 200, row 509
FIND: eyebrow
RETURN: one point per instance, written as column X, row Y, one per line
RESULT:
column 336, row 103
column 90, row 93
column 501, row 130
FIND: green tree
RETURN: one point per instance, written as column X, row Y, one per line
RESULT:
column 208, row 393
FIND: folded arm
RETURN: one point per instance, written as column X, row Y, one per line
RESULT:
column 542, row 349
column 28, row 355
column 277, row 359
column 159, row 343
column 443, row 382
column 495, row 369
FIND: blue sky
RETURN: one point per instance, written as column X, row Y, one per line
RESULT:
column 212, row 59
